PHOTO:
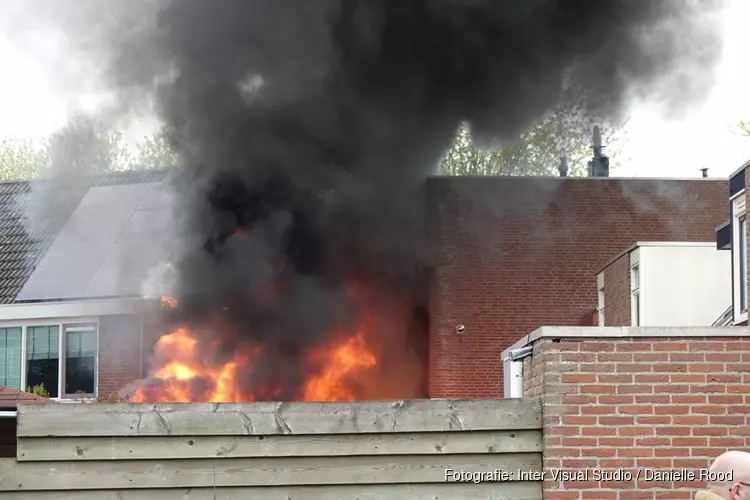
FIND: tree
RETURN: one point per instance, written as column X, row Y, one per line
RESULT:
column 84, row 146
column 744, row 128
column 566, row 130
column 22, row 158
column 157, row 151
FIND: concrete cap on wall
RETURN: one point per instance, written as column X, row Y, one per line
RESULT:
column 615, row 332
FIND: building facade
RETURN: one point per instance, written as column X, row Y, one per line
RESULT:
column 73, row 311
column 511, row 254
column 515, row 254
column 732, row 236
column 665, row 284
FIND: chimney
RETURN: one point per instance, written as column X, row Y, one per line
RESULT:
column 563, row 167
column 704, row 170
column 599, row 164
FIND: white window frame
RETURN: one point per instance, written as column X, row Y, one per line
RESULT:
column 636, row 298
column 64, row 326
column 738, row 215
column 601, row 305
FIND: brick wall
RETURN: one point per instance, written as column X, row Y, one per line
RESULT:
column 152, row 332
column 126, row 344
column 513, row 254
column 637, row 404
column 119, row 352
column 617, row 292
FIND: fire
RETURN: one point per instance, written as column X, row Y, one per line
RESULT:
column 182, row 375
column 180, row 369
column 341, row 363
column 167, row 301
column 372, row 358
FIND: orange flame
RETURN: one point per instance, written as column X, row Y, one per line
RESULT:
column 181, row 369
column 182, row 376
column 167, row 301
column 341, row 363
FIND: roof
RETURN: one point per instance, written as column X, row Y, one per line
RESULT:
column 10, row 398
column 21, row 249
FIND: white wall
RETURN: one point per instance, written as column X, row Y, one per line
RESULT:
column 684, row 284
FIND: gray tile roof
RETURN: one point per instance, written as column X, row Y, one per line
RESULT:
column 20, row 251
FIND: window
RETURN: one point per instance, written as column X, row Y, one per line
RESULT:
column 43, row 357
column 635, row 295
column 742, row 250
column 62, row 357
column 10, row 356
column 739, row 259
column 80, row 359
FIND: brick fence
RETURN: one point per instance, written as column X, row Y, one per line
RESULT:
column 640, row 401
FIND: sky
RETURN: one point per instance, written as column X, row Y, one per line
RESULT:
column 43, row 80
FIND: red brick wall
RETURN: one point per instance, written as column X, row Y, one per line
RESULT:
column 513, row 254
column 119, row 352
column 152, row 331
column 126, row 346
column 617, row 292
column 658, row 403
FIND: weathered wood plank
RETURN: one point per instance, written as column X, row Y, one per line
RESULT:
column 171, row 447
column 215, row 419
column 449, row 491
column 32, row 476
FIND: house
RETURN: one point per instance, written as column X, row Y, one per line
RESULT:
column 511, row 254
column 732, row 236
column 73, row 311
column 665, row 284
column 660, row 381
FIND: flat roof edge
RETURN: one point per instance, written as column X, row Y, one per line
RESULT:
column 740, row 169
column 639, row 244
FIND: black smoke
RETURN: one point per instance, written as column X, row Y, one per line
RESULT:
column 306, row 129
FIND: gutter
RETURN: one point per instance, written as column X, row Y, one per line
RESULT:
column 513, row 371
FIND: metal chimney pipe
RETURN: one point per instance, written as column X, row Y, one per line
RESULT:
column 704, row 170
column 599, row 164
column 597, row 139
column 563, row 167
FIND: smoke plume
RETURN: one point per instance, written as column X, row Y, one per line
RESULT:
column 306, row 129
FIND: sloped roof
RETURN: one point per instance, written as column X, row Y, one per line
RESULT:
column 11, row 398
column 20, row 250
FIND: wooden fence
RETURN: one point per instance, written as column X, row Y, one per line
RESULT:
column 281, row 451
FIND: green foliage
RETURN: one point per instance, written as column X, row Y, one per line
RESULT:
column 157, row 151
column 566, row 130
column 744, row 128
column 22, row 158
column 83, row 146
column 39, row 390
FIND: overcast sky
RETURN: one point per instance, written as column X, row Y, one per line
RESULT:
column 42, row 80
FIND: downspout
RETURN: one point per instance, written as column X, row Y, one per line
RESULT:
column 513, row 371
